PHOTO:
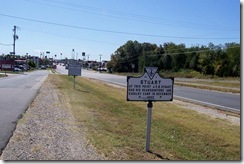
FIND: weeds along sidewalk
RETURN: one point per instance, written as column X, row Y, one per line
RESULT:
column 48, row 131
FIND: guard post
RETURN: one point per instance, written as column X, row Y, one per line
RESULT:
column 149, row 87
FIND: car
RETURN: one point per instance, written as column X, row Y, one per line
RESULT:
column 16, row 69
column 43, row 67
column 22, row 67
column 101, row 69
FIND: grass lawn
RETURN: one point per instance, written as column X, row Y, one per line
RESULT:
column 205, row 82
column 2, row 75
column 117, row 128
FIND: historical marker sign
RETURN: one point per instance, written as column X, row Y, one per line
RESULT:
column 150, row 87
column 74, row 69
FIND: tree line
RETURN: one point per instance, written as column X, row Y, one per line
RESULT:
column 216, row 60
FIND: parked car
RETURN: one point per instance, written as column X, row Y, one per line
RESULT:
column 101, row 69
column 43, row 67
column 22, row 67
column 16, row 69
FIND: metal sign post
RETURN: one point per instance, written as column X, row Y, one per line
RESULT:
column 149, row 117
column 149, row 87
column 74, row 82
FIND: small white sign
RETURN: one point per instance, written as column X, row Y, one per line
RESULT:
column 150, row 86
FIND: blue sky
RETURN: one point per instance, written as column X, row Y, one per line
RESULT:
column 101, row 26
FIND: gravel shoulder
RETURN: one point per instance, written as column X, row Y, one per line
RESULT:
column 48, row 131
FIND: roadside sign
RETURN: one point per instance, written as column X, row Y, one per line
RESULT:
column 149, row 87
column 6, row 66
column 74, row 69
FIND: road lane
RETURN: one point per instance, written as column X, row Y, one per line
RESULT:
column 16, row 93
column 220, row 100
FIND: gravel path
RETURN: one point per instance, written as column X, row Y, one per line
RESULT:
column 48, row 132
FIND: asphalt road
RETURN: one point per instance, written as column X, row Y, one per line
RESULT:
column 220, row 100
column 16, row 94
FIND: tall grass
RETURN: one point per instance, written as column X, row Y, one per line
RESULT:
column 117, row 128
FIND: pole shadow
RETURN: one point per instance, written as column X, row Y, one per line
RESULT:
column 158, row 155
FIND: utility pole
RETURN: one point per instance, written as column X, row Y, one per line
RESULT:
column 100, row 64
column 15, row 37
column 73, row 54
column 88, row 61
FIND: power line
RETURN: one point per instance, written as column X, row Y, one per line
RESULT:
column 107, row 31
column 71, row 37
column 130, row 16
column 6, row 44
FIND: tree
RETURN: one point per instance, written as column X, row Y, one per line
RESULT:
column 210, row 60
column 167, row 62
column 126, row 55
column 194, row 62
column 32, row 64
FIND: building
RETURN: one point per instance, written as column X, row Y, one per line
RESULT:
column 6, row 64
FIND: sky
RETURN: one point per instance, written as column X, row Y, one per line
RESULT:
column 100, row 27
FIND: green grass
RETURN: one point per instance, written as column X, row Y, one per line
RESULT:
column 117, row 128
column 219, row 84
column 2, row 75
column 223, row 87
column 230, row 84
column 10, row 72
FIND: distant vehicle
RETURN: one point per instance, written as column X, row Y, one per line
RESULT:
column 43, row 67
column 102, row 69
column 22, row 67
column 16, row 69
